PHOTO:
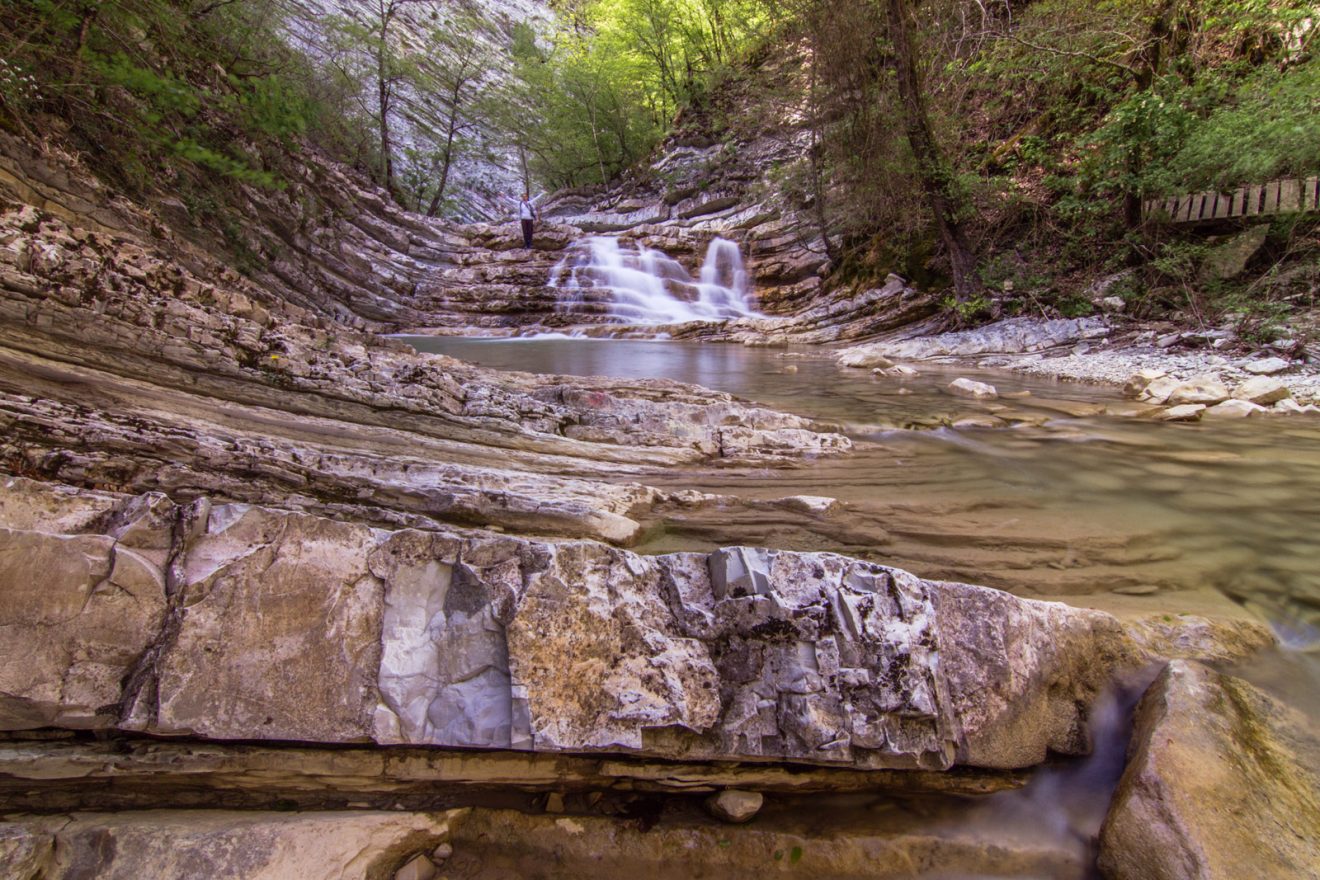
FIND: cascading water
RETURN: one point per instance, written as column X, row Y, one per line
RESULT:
column 645, row 286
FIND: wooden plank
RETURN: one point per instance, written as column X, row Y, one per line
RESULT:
column 1253, row 201
column 1237, row 202
column 1290, row 196
column 1311, row 194
column 1271, row 205
column 1223, row 206
column 1171, row 207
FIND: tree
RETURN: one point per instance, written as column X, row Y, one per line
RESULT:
column 936, row 176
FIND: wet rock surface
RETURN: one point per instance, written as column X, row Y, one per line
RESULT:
column 1221, row 783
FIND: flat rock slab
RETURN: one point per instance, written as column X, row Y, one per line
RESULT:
column 218, row 845
column 284, row 626
column 1221, row 784
column 1014, row 336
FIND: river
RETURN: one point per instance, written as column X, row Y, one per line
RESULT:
column 1049, row 491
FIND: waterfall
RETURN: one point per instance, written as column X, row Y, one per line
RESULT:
column 645, row 286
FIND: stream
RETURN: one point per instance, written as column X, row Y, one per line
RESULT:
column 1046, row 492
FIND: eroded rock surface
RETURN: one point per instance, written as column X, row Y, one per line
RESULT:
column 1221, row 783
column 285, row 626
column 172, row 845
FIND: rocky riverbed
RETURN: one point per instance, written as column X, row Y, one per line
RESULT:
column 282, row 597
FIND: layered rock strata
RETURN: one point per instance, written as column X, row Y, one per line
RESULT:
column 200, row 620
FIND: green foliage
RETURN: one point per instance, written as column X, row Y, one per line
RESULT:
column 156, row 91
column 594, row 96
column 1267, row 127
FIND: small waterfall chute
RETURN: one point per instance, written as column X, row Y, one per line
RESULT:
column 644, row 285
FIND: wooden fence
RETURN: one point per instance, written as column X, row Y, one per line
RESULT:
column 1275, row 197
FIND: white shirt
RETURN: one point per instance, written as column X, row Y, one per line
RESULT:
column 525, row 210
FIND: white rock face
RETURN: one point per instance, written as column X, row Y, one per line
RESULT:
column 973, row 389
column 1262, row 390
column 1199, row 389
column 1267, row 367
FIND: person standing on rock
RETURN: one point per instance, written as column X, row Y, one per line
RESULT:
column 528, row 214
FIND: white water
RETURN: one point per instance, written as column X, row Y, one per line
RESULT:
column 645, row 286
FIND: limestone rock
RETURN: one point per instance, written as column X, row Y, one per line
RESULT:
column 970, row 388
column 220, row 845
column 285, row 626
column 1158, row 390
column 1200, row 389
column 732, row 805
column 1221, row 784
column 1262, row 390
column 418, row 868
column 278, row 636
column 1187, row 412
column 1233, row 409
column 1267, row 366
column 1140, row 381
column 77, row 610
column 815, row 842
column 1228, row 260
column 1013, row 336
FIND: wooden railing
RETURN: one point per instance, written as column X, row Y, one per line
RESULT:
column 1275, row 197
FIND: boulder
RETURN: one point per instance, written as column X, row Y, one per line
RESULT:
column 1199, row 389
column 1221, row 784
column 1233, row 409
column 279, row 633
column 970, row 388
column 1262, row 390
column 1188, row 412
column 1228, row 260
column 219, row 845
column 1266, row 366
column 732, row 805
column 1141, row 380
column 285, row 626
column 77, row 610
column 1158, row 390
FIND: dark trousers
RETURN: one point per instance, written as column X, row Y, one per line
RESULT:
column 527, row 233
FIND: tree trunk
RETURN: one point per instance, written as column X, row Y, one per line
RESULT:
column 814, row 155
column 1149, row 60
column 934, row 174
column 384, row 89
column 444, row 171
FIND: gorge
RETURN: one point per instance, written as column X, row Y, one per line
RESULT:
column 342, row 541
